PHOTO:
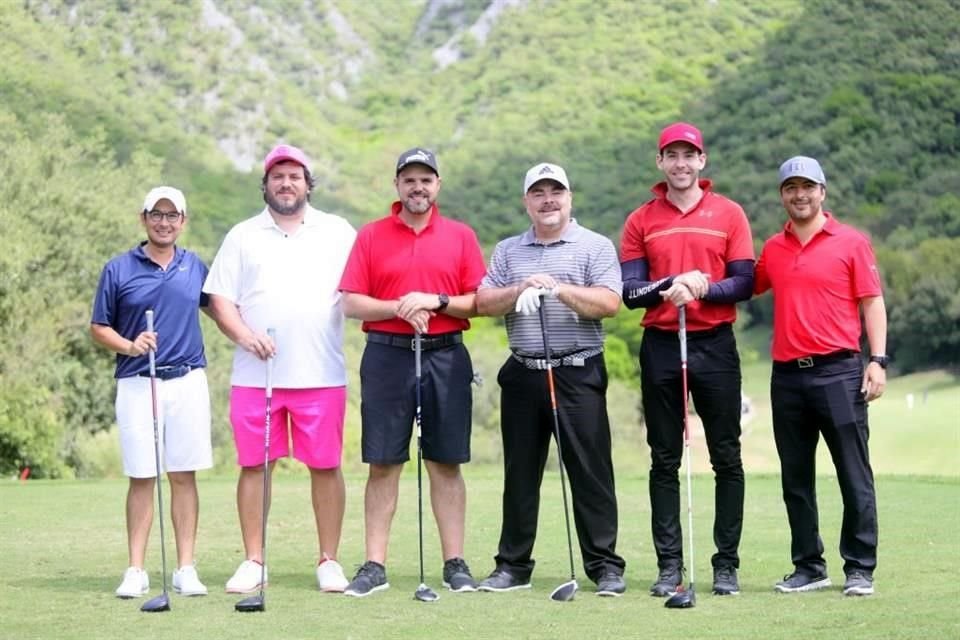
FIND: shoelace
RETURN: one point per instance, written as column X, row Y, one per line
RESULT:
column 457, row 565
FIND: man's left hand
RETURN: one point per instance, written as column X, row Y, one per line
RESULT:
column 874, row 381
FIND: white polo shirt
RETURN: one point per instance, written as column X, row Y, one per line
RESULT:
column 288, row 282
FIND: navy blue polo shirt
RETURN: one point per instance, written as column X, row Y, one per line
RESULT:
column 131, row 283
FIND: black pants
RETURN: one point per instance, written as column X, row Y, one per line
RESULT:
column 713, row 376
column 826, row 400
column 526, row 422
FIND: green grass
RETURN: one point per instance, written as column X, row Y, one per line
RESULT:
column 63, row 547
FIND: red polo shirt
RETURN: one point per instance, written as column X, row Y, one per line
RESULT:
column 711, row 234
column 817, row 288
column 389, row 260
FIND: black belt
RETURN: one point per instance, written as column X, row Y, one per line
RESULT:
column 404, row 341
column 808, row 362
column 574, row 359
column 169, row 372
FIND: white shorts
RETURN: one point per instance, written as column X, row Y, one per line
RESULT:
column 183, row 424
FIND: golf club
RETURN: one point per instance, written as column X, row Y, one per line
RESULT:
column 423, row 592
column 685, row 598
column 259, row 601
column 162, row 601
column 566, row 591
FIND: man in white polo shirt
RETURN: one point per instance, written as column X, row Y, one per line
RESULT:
column 280, row 270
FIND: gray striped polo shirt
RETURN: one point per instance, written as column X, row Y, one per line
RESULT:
column 581, row 257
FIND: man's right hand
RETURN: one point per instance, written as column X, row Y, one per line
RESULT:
column 259, row 344
column 695, row 281
column 146, row 341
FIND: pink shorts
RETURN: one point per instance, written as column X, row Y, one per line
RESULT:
column 315, row 417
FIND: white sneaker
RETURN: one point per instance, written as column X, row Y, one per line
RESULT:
column 246, row 579
column 330, row 577
column 135, row 583
column 186, row 582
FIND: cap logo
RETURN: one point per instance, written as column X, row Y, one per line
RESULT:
column 796, row 166
column 545, row 170
column 690, row 135
column 419, row 155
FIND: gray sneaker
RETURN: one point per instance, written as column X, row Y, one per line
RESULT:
column 611, row 585
column 503, row 580
column 799, row 581
column 859, row 583
column 725, row 581
column 371, row 577
column 667, row 582
column 456, row 576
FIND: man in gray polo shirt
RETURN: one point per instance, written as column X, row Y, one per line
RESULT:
column 575, row 274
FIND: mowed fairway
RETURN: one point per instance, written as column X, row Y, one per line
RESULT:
column 63, row 547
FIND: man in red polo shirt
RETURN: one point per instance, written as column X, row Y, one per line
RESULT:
column 691, row 247
column 822, row 274
column 414, row 271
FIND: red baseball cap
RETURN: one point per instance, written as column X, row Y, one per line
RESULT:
column 285, row 153
column 681, row 132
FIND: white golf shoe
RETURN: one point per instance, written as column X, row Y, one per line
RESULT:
column 136, row 583
column 330, row 577
column 186, row 582
column 246, row 579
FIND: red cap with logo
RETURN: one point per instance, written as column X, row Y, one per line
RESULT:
column 681, row 132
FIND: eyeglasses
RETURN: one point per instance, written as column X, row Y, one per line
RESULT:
column 169, row 216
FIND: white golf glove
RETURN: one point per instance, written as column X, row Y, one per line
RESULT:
column 529, row 300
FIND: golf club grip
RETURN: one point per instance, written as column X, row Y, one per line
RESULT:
column 272, row 333
column 150, row 353
column 417, row 348
column 682, row 318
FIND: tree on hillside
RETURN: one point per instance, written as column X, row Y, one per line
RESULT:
column 65, row 207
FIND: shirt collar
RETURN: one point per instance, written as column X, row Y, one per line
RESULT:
column 311, row 217
column 397, row 206
column 831, row 225
column 572, row 233
column 660, row 189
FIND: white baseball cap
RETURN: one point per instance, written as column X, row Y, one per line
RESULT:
column 545, row 171
column 165, row 193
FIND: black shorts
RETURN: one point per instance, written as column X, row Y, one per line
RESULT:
column 388, row 403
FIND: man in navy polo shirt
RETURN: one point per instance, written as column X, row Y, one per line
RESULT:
column 823, row 274
column 160, row 276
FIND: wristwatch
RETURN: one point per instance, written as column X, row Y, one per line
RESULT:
column 444, row 301
column 881, row 359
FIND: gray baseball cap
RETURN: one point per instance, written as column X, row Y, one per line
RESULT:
column 802, row 167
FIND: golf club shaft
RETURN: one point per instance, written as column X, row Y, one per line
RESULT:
column 417, row 363
column 156, row 450
column 556, row 432
column 268, row 394
column 682, row 317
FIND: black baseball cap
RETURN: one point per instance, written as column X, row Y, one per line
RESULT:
column 417, row 155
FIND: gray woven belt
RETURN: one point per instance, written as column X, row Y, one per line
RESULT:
column 575, row 359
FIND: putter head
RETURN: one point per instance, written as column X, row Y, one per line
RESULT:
column 155, row 605
column 565, row 592
column 425, row 594
column 682, row 599
column 253, row 603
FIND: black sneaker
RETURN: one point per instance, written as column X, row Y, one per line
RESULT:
column 371, row 577
column 725, row 581
column 667, row 582
column 611, row 585
column 859, row 583
column 799, row 581
column 456, row 576
column 503, row 580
